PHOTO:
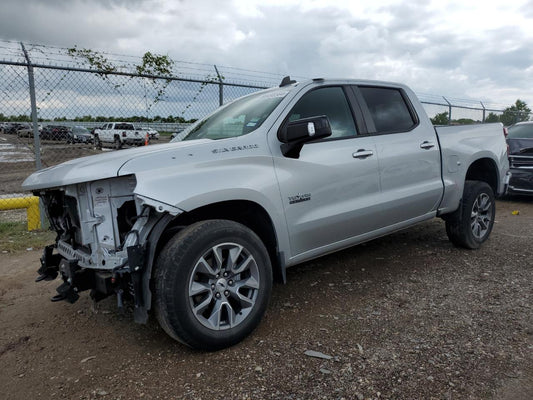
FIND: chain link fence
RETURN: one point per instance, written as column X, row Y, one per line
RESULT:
column 52, row 99
column 72, row 98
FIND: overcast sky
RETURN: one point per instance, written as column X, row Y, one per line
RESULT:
column 466, row 49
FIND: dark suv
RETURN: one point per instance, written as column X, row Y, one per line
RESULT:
column 520, row 141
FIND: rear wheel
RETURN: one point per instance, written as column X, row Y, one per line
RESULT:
column 471, row 224
column 212, row 284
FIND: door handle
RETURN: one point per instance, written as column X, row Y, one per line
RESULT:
column 362, row 153
column 427, row 145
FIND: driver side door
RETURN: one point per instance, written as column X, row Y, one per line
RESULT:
column 331, row 191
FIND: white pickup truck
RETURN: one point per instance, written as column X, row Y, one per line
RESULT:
column 119, row 133
column 196, row 229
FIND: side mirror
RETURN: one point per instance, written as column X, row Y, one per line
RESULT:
column 296, row 133
column 305, row 129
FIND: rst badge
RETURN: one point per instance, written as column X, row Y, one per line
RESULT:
column 299, row 198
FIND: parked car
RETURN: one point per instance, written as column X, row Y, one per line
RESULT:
column 55, row 132
column 520, row 141
column 3, row 126
column 25, row 130
column 79, row 134
column 152, row 133
column 176, row 134
column 12, row 127
column 195, row 230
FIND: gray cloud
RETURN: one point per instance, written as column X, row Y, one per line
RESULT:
column 409, row 42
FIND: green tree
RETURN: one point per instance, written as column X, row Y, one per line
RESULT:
column 464, row 121
column 440, row 118
column 492, row 117
column 519, row 111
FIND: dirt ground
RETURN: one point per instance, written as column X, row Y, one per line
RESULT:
column 403, row 317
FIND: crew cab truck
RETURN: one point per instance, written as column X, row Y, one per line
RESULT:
column 118, row 134
column 195, row 230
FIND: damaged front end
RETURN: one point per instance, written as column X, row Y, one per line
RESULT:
column 104, row 233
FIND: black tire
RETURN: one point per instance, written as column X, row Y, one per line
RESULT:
column 471, row 224
column 97, row 143
column 117, row 143
column 188, row 292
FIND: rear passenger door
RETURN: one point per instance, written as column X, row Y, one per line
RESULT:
column 408, row 152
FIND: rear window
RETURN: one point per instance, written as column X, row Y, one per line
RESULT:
column 79, row 130
column 524, row 131
column 124, row 127
column 388, row 109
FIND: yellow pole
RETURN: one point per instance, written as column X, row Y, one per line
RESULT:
column 30, row 203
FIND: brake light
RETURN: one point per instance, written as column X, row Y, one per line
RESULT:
column 505, row 131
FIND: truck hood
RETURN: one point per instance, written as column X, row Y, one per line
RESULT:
column 102, row 166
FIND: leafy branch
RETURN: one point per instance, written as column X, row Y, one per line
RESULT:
column 96, row 60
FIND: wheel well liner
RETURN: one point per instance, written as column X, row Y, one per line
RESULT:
column 484, row 170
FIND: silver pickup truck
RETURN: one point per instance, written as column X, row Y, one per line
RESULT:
column 197, row 229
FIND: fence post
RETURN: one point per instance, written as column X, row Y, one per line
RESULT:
column 449, row 110
column 484, row 109
column 220, row 88
column 35, row 126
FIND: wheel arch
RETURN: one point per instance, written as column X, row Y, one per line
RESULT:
column 245, row 212
column 484, row 170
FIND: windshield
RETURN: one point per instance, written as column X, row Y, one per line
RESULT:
column 238, row 118
column 524, row 131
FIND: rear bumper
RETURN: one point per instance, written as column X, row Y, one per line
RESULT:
column 133, row 141
column 82, row 140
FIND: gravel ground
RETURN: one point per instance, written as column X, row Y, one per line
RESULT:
column 407, row 316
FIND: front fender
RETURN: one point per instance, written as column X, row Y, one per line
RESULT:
column 250, row 178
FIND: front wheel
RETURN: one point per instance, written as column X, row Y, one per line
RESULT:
column 213, row 281
column 97, row 143
column 471, row 224
column 117, row 143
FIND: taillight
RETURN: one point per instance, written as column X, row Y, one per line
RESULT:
column 505, row 133
column 123, row 134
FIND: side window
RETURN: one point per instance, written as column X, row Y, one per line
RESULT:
column 388, row 109
column 328, row 101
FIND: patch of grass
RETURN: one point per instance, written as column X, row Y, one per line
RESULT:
column 14, row 237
